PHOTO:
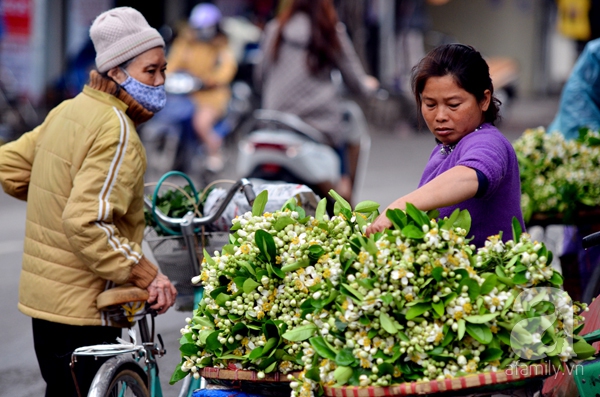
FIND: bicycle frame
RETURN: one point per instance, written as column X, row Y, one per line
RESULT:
column 141, row 358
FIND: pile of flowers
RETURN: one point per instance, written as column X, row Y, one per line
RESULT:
column 558, row 176
column 414, row 303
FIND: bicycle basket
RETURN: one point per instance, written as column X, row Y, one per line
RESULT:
column 172, row 255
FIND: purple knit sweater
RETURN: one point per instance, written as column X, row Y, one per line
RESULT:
column 488, row 151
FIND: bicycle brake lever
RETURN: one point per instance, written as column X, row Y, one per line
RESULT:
column 162, row 351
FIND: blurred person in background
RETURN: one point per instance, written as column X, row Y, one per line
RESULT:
column 579, row 107
column 82, row 174
column 300, row 49
column 202, row 50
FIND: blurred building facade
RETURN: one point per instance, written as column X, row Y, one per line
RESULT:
column 39, row 39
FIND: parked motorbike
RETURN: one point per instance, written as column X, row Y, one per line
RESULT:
column 281, row 147
column 169, row 137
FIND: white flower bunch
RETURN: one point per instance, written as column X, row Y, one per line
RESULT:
column 558, row 175
column 413, row 303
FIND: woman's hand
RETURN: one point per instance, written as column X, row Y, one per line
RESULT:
column 380, row 224
column 161, row 293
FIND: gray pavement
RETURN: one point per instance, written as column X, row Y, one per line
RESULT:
column 397, row 159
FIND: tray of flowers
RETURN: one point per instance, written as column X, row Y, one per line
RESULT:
column 415, row 309
column 559, row 177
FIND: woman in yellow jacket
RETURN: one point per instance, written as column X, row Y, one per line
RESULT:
column 81, row 172
column 203, row 51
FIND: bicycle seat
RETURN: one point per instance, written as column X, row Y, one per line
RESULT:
column 121, row 295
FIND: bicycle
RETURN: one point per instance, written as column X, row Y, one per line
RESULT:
column 132, row 369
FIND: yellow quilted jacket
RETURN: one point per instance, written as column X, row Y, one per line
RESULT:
column 81, row 172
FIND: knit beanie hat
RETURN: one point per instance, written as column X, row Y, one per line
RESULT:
column 121, row 34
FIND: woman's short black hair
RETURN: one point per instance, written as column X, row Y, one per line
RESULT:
column 468, row 68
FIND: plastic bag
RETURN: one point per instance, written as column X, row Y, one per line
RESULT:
column 279, row 194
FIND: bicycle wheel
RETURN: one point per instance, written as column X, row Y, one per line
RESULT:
column 127, row 383
column 120, row 376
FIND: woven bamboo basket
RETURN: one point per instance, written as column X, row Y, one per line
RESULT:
column 521, row 377
column 273, row 384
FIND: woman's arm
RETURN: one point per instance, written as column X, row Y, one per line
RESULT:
column 351, row 68
column 454, row 186
column 266, row 47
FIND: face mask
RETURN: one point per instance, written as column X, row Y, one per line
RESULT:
column 151, row 98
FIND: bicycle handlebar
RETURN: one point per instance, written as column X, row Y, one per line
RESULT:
column 591, row 240
column 244, row 184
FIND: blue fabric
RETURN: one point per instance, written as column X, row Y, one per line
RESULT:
column 222, row 393
column 150, row 97
column 580, row 99
column 580, row 107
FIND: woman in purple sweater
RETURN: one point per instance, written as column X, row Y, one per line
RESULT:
column 473, row 167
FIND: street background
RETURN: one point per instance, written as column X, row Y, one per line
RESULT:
column 396, row 161
column 41, row 40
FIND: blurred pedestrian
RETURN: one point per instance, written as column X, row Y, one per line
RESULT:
column 202, row 50
column 81, row 172
column 473, row 167
column 300, row 49
column 579, row 107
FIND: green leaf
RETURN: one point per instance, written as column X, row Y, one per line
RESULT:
column 266, row 244
column 583, row 349
column 260, row 202
column 342, row 375
column 208, row 258
column 448, row 338
column 315, row 251
column 257, row 352
column 519, row 278
column 339, row 199
column 188, row 349
column 450, row 221
column 461, row 328
column 412, row 231
column 464, row 221
column 366, row 206
column 300, row 333
column 438, row 307
column 480, row 332
column 436, row 273
column 387, row 323
column 249, row 285
column 212, row 342
column 282, row 222
column 222, row 298
column 481, row 318
column 473, row 287
column 271, row 344
column 345, row 357
column 177, row 375
column 295, row 266
column 517, row 230
column 248, row 267
column 417, row 215
column 321, row 347
column 417, row 309
column 278, row 272
column 489, row 284
column 490, row 354
column 397, row 217
column 271, row 367
column 321, row 209
column 556, row 279
column 353, row 291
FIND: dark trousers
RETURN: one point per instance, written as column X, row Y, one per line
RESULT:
column 54, row 343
